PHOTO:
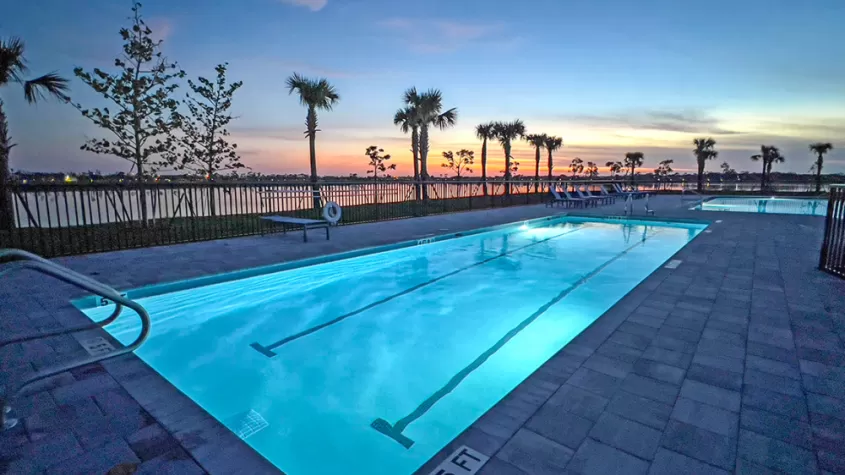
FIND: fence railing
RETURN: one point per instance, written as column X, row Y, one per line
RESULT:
column 60, row 219
column 57, row 219
column 832, row 257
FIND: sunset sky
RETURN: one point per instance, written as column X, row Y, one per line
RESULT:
column 609, row 76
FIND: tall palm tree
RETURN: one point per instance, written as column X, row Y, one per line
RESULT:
column 12, row 70
column 485, row 133
column 507, row 132
column 407, row 120
column 632, row 161
column 313, row 94
column 429, row 106
column 820, row 149
column 766, row 151
column 552, row 144
column 537, row 141
column 703, row 151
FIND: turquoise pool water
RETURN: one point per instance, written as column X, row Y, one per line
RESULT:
column 374, row 363
column 766, row 205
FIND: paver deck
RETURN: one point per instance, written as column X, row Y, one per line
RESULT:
column 732, row 362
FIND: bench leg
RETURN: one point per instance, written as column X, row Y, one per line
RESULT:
column 327, row 233
column 305, row 234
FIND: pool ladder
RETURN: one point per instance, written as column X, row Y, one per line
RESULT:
column 25, row 260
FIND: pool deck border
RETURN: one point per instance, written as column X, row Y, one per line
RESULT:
column 695, row 350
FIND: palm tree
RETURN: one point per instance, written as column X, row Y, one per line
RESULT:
column 429, row 107
column 313, row 94
column 615, row 168
column 552, row 144
column 507, row 132
column 12, row 69
column 538, row 141
column 632, row 161
column 820, row 149
column 484, row 132
column 703, row 151
column 407, row 120
column 774, row 157
column 766, row 151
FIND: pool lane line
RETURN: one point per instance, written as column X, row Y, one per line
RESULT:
column 394, row 431
column 268, row 349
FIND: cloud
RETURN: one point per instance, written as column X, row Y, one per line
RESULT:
column 684, row 121
column 161, row 27
column 313, row 5
column 443, row 36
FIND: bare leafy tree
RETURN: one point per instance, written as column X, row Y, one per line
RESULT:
column 592, row 170
column 459, row 163
column 203, row 145
column 727, row 171
column 615, row 168
column 145, row 114
column 377, row 161
column 576, row 166
column 12, row 70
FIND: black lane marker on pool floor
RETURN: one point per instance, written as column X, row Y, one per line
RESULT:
column 394, row 431
column 268, row 350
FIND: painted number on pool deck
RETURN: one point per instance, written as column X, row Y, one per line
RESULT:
column 104, row 301
column 463, row 461
column 425, row 240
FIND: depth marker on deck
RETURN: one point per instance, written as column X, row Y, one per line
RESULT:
column 97, row 346
column 464, row 460
column 673, row 264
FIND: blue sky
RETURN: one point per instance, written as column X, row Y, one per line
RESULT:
column 609, row 76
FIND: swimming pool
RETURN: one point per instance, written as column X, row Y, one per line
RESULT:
column 772, row 205
column 371, row 364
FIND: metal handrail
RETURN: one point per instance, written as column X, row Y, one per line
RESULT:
column 39, row 264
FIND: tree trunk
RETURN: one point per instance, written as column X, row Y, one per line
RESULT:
column 7, row 215
column 550, row 167
column 819, row 175
column 484, row 164
column 212, row 208
column 633, row 170
column 507, row 148
column 700, row 175
column 763, row 177
column 311, row 120
column 415, row 150
column 424, row 159
column 537, row 170
column 142, row 192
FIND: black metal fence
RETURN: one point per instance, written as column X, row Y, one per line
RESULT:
column 59, row 219
column 833, row 247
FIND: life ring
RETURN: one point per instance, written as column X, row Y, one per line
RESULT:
column 332, row 212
